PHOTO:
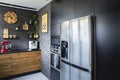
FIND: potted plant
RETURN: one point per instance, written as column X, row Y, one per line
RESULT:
column 35, row 22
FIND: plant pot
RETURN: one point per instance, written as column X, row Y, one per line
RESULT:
column 36, row 36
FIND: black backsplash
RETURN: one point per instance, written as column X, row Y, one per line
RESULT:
column 23, row 15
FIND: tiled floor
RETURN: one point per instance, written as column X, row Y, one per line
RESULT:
column 36, row 76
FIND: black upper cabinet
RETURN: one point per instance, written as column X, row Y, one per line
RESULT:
column 83, row 8
column 56, row 12
column 55, row 29
column 105, row 6
column 108, row 46
column 68, row 9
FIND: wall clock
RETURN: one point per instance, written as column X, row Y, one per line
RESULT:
column 10, row 17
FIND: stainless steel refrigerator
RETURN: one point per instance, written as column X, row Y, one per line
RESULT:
column 76, row 49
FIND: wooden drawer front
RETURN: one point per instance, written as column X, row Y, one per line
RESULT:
column 24, row 70
column 30, row 54
column 15, row 55
column 5, row 56
column 18, row 69
column 25, row 60
column 17, row 63
column 5, row 61
column 5, row 71
column 5, row 74
column 4, row 67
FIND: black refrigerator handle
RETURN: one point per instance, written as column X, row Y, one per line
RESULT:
column 81, row 68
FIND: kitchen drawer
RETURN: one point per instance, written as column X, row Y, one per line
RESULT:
column 25, row 68
column 5, row 61
column 5, row 66
column 16, row 56
column 5, row 56
column 5, row 69
column 5, row 74
column 30, row 54
column 25, row 60
column 18, row 63
column 23, row 65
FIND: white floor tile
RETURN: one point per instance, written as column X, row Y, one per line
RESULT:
column 35, row 76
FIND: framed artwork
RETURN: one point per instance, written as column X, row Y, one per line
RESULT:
column 45, row 22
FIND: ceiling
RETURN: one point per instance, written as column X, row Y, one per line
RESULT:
column 36, row 4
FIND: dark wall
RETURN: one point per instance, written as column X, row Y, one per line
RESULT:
column 23, row 15
column 45, row 41
column 107, row 39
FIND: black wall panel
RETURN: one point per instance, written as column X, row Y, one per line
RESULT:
column 56, row 12
column 23, row 15
column 108, row 46
column 55, row 75
column 55, row 29
column 83, row 8
column 68, row 9
column 105, row 6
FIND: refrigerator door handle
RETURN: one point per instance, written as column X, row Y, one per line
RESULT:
column 81, row 68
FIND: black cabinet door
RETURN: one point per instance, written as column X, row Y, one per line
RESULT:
column 105, row 6
column 55, row 29
column 83, row 8
column 55, row 75
column 108, row 46
column 56, row 12
column 68, row 9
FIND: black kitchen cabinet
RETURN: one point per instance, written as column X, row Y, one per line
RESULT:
column 108, row 46
column 68, row 9
column 105, row 6
column 83, row 8
column 56, row 12
column 55, row 29
column 55, row 75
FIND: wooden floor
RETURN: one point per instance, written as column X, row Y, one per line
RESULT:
column 35, row 76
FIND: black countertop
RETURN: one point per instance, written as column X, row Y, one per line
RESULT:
column 19, row 50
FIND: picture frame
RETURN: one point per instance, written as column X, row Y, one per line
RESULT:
column 45, row 22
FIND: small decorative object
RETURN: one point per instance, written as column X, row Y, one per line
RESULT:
column 5, row 33
column 10, row 17
column 14, row 36
column 10, row 36
column 25, row 26
column 17, row 28
column 45, row 22
column 35, row 35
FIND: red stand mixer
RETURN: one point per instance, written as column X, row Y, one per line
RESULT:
column 5, row 46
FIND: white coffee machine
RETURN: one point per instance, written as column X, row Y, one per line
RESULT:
column 33, row 44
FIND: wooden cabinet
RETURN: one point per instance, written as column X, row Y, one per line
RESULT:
column 18, row 63
column 5, row 65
